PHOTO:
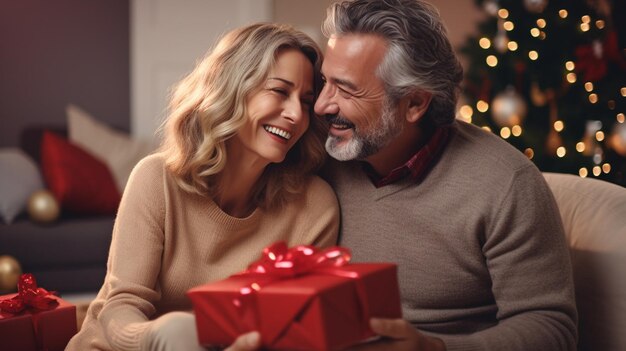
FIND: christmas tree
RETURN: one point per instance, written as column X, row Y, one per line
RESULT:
column 549, row 76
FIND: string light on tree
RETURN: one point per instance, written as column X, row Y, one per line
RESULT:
column 583, row 172
column 484, row 43
column 505, row 132
column 597, row 171
column 482, row 106
column 566, row 62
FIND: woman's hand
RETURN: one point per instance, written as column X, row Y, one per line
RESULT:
column 246, row 342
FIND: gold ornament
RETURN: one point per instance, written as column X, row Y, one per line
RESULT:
column 10, row 272
column 43, row 207
column 508, row 108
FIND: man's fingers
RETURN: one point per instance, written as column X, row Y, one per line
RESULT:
column 246, row 342
column 392, row 328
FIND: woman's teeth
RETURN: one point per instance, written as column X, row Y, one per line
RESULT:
column 276, row 131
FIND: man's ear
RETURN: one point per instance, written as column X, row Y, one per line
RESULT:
column 417, row 104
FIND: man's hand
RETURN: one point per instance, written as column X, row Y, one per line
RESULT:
column 399, row 335
column 246, row 342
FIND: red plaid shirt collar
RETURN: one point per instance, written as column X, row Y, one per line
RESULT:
column 417, row 166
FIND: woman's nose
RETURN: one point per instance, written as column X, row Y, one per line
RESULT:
column 293, row 110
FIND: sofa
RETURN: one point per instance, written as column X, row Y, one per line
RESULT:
column 85, row 165
column 594, row 219
column 68, row 255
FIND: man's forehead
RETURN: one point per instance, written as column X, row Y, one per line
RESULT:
column 353, row 57
column 356, row 45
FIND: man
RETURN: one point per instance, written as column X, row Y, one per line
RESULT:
column 482, row 258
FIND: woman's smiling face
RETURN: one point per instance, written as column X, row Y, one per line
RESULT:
column 278, row 112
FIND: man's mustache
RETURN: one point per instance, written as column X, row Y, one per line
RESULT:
column 336, row 119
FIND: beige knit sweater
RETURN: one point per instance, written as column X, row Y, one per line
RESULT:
column 166, row 241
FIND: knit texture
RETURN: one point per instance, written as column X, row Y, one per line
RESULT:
column 482, row 258
column 166, row 241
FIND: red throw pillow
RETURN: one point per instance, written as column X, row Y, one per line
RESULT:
column 81, row 183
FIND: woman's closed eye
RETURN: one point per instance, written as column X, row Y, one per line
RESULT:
column 280, row 91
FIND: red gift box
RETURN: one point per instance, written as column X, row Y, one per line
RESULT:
column 16, row 332
column 320, row 309
column 35, row 329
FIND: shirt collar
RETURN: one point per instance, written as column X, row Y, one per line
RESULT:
column 416, row 166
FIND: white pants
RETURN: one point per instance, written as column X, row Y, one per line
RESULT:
column 174, row 331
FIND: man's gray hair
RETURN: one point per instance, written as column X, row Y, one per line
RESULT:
column 420, row 56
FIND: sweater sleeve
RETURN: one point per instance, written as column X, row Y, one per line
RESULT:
column 528, row 260
column 135, row 258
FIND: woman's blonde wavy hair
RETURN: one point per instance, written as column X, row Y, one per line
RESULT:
column 209, row 106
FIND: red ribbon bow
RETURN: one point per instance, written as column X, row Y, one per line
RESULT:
column 281, row 262
column 29, row 295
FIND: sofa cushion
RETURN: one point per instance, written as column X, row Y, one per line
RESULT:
column 81, row 183
column 116, row 149
column 19, row 178
column 594, row 219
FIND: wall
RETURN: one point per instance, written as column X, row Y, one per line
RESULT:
column 167, row 38
column 56, row 52
column 89, row 52
column 460, row 16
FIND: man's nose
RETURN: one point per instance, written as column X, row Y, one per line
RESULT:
column 325, row 104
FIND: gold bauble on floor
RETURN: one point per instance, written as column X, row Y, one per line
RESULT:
column 10, row 271
column 43, row 207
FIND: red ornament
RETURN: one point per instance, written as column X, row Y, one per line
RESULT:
column 593, row 59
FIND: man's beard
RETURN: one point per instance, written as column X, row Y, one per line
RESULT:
column 366, row 143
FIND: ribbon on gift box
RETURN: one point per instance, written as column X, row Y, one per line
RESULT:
column 278, row 262
column 32, row 301
column 29, row 295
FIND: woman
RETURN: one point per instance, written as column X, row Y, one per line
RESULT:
column 234, row 175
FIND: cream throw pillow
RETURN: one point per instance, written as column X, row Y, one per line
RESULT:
column 116, row 149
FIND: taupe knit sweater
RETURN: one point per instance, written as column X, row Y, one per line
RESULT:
column 166, row 241
column 483, row 261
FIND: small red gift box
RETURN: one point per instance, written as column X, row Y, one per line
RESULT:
column 323, row 308
column 27, row 327
column 16, row 332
